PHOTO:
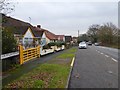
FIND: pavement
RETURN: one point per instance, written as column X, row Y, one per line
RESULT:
column 28, row 66
column 95, row 67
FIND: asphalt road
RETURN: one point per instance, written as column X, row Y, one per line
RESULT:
column 95, row 67
column 109, row 51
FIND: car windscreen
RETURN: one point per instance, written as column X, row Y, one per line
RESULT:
column 82, row 43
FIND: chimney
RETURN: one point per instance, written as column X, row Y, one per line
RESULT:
column 38, row 26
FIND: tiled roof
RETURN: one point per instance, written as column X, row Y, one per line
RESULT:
column 50, row 35
column 37, row 32
column 14, row 25
column 60, row 37
column 19, row 27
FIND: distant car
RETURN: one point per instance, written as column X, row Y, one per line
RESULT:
column 96, row 44
column 89, row 43
column 82, row 45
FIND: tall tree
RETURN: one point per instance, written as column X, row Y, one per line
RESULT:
column 107, row 33
column 7, row 39
column 92, row 32
column 83, row 37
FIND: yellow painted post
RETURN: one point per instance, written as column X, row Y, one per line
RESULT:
column 21, row 54
column 38, row 51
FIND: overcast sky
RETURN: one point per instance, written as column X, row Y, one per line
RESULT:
column 66, row 17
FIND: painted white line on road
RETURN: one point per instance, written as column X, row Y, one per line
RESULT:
column 110, row 72
column 114, row 60
column 101, row 53
column 96, row 50
column 106, row 55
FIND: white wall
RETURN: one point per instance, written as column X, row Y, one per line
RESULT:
column 47, row 40
column 43, row 39
column 28, row 35
column 64, row 38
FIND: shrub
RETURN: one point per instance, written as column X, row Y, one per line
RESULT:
column 9, row 43
column 51, row 44
column 46, row 46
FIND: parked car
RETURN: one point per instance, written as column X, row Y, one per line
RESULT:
column 82, row 45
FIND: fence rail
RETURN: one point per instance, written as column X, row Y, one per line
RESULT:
column 4, row 56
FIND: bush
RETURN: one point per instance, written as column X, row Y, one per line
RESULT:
column 46, row 47
column 58, row 44
column 9, row 43
column 51, row 44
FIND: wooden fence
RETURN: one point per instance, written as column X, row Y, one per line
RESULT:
column 28, row 54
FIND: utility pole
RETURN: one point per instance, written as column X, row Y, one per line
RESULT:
column 78, row 33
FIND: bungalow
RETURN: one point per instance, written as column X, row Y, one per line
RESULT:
column 23, row 32
column 46, row 36
column 61, row 38
column 68, row 39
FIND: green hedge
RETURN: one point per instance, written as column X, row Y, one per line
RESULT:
column 58, row 44
column 46, row 47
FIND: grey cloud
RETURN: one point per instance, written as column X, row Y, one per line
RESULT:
column 67, row 18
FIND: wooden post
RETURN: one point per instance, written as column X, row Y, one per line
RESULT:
column 38, row 51
column 21, row 54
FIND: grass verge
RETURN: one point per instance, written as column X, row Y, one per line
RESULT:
column 53, row 74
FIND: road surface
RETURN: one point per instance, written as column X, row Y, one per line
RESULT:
column 95, row 67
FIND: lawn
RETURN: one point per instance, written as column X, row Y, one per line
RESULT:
column 68, row 54
column 52, row 74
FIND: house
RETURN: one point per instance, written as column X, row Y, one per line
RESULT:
column 61, row 38
column 74, row 39
column 23, row 32
column 46, row 36
column 68, row 39
column 26, row 34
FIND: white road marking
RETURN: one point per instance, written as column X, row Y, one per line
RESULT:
column 114, row 60
column 96, row 50
column 110, row 72
column 106, row 55
column 101, row 53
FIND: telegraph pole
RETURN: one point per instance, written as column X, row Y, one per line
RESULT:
column 78, row 33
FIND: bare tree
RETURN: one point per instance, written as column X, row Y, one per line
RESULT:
column 6, row 6
column 92, row 32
